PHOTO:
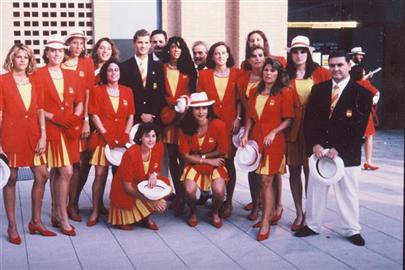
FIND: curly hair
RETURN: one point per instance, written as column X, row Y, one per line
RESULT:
column 281, row 81
column 210, row 62
column 103, row 70
column 8, row 63
column 185, row 64
column 145, row 128
column 115, row 53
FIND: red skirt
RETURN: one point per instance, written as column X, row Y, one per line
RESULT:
column 370, row 129
column 28, row 159
column 272, row 163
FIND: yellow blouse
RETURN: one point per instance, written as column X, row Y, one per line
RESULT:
column 201, row 140
column 220, row 85
column 59, row 87
column 250, row 86
column 260, row 102
column 146, row 166
column 304, row 89
column 115, row 102
column 69, row 67
column 173, row 78
column 25, row 93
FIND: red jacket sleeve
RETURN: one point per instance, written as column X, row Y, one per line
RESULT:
column 184, row 147
column 222, row 136
column 287, row 108
column 128, row 166
column 93, row 100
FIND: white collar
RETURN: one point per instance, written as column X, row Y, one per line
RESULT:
column 139, row 60
column 342, row 84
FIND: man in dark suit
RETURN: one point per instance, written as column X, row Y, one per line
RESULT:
column 146, row 79
column 336, row 117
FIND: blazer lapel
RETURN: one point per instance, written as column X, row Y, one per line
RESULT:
column 345, row 96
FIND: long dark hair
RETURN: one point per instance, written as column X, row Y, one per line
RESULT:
column 145, row 128
column 310, row 65
column 189, row 124
column 211, row 64
column 115, row 54
column 266, row 47
column 103, row 70
column 281, row 81
column 185, row 63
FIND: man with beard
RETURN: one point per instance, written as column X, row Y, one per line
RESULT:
column 158, row 40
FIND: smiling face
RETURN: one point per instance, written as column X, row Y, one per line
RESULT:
column 104, row 51
column 257, row 59
column 113, row 73
column 200, row 113
column 200, row 54
column 175, row 52
column 339, row 68
column 55, row 56
column 299, row 56
column 220, row 56
column 21, row 61
column 255, row 40
column 142, row 45
column 269, row 74
column 76, row 46
column 158, row 42
column 149, row 139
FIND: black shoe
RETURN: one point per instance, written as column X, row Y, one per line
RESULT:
column 203, row 199
column 357, row 240
column 304, row 232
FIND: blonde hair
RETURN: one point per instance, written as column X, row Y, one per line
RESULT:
column 8, row 63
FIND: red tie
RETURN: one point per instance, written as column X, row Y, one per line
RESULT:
column 334, row 99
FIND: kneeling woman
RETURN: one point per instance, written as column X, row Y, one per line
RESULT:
column 270, row 111
column 203, row 145
column 140, row 162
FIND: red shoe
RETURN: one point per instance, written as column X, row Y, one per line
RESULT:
column 14, row 240
column 217, row 224
column 92, row 222
column 192, row 222
column 125, row 227
column 257, row 225
column 370, row 167
column 34, row 228
column 248, row 207
column 263, row 236
column 276, row 218
column 150, row 225
column 55, row 222
column 74, row 216
column 70, row 232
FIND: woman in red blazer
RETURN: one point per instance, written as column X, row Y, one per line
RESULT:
column 112, row 112
column 304, row 73
column 180, row 79
column 141, row 161
column 63, row 106
column 78, row 61
column 219, row 82
column 23, row 135
column 270, row 111
column 204, row 142
column 247, row 86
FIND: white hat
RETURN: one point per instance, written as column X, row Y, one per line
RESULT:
column 4, row 171
column 357, row 50
column 75, row 32
column 200, row 100
column 182, row 104
column 114, row 155
column 132, row 133
column 237, row 136
column 55, row 42
column 300, row 42
column 158, row 192
column 247, row 158
column 325, row 170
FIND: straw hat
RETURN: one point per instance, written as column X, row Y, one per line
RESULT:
column 247, row 158
column 75, row 32
column 182, row 104
column 55, row 42
column 114, row 155
column 4, row 171
column 300, row 42
column 325, row 170
column 132, row 133
column 200, row 100
column 158, row 192
column 357, row 50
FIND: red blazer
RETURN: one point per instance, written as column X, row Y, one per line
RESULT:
column 19, row 127
column 113, row 122
column 367, row 84
column 85, row 70
column 276, row 109
column 319, row 75
column 242, row 84
column 225, row 109
column 131, row 170
column 73, row 94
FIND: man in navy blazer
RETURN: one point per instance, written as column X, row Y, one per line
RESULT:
column 336, row 117
column 146, row 79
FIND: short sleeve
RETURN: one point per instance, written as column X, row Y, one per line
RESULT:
column 287, row 107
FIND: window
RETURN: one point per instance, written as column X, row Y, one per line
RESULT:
column 36, row 42
column 36, row 51
column 26, row 5
column 53, row 5
column 17, row 33
column 34, row 5
column 53, row 14
column 16, row 5
column 45, row 23
column 26, row 14
column 27, row 33
column 54, row 23
column 63, row 5
column 27, row 23
column 34, row 14
column 35, row 33
column 16, row 14
column 28, row 42
column 63, row 24
column 16, row 24
column 35, row 24
column 45, row 14
column 71, row 23
column 71, row 5
column 44, row 5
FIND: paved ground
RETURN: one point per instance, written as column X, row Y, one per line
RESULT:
column 177, row 246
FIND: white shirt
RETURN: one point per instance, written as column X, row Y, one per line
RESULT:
column 144, row 63
column 341, row 85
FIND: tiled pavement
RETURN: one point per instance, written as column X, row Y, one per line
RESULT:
column 177, row 246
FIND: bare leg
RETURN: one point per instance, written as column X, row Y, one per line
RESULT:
column 226, row 210
column 368, row 149
column 278, row 195
column 190, row 189
column 9, row 196
column 37, row 194
column 62, row 188
column 218, row 193
column 296, row 191
column 268, row 202
column 53, row 175
column 97, row 189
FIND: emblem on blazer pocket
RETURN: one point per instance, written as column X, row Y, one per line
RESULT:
column 154, row 85
column 81, row 73
column 71, row 90
column 125, row 102
column 211, row 140
column 272, row 102
column 349, row 113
